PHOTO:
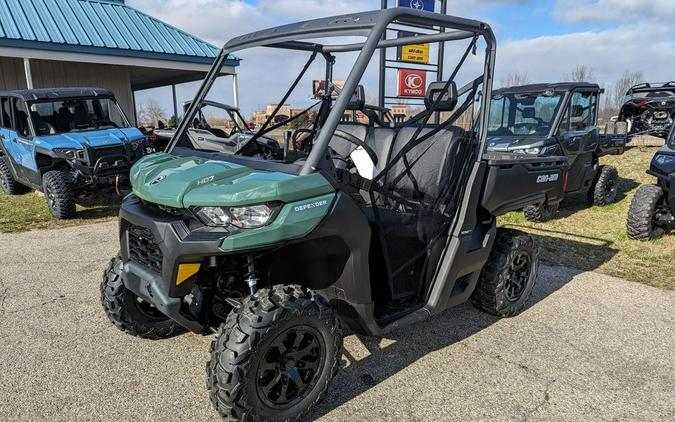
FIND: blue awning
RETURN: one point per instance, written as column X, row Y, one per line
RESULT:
column 98, row 27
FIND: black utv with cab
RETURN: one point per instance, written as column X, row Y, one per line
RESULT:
column 558, row 119
column 278, row 257
column 652, row 211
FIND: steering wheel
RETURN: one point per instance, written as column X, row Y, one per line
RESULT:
column 300, row 143
column 356, row 141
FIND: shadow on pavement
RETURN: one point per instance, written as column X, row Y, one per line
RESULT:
column 582, row 252
column 402, row 348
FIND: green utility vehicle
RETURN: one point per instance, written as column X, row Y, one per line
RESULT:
column 368, row 227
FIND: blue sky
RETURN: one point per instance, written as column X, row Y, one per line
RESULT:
column 544, row 38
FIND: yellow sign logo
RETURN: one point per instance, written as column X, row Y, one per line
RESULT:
column 415, row 53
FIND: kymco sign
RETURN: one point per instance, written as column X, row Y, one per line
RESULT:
column 411, row 83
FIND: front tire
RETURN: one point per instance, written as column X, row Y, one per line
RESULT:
column 509, row 275
column 642, row 224
column 58, row 189
column 541, row 213
column 605, row 188
column 8, row 183
column 128, row 312
column 274, row 357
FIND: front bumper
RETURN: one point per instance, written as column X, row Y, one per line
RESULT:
column 153, row 245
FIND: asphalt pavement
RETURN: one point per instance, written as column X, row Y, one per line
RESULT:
column 588, row 347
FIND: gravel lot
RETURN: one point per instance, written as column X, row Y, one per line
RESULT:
column 590, row 347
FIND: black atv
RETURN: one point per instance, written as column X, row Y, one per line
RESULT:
column 369, row 227
column 652, row 211
column 649, row 109
column 544, row 120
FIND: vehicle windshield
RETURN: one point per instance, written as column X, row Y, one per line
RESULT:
column 76, row 115
column 220, row 120
column 523, row 114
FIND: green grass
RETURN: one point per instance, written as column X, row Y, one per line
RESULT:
column 29, row 211
column 594, row 238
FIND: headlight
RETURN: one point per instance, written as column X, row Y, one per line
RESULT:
column 213, row 216
column 663, row 159
column 251, row 217
column 69, row 153
column 248, row 217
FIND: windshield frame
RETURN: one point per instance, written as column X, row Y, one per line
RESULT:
column 111, row 98
column 371, row 25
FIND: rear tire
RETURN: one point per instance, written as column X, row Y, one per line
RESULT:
column 508, row 277
column 8, row 183
column 128, row 313
column 641, row 224
column 58, row 190
column 274, row 357
column 541, row 213
column 606, row 185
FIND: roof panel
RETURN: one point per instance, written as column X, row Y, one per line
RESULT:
column 72, row 24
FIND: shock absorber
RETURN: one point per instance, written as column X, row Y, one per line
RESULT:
column 251, row 277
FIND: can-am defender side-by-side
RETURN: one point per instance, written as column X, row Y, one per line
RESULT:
column 230, row 138
column 65, row 142
column 559, row 119
column 649, row 109
column 652, row 211
column 369, row 227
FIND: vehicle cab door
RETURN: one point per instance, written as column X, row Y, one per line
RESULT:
column 21, row 136
column 579, row 136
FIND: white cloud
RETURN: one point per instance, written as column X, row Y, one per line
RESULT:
column 616, row 11
column 641, row 37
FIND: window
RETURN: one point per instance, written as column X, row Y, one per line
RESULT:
column 580, row 113
column 53, row 117
column 526, row 114
column 4, row 112
column 19, row 117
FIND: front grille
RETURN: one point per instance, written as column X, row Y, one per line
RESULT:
column 143, row 250
column 105, row 152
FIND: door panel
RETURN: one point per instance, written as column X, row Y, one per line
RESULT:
column 513, row 182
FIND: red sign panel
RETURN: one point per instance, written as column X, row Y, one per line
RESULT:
column 411, row 83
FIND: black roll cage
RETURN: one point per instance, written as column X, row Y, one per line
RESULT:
column 373, row 26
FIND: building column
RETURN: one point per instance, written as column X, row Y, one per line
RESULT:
column 235, row 90
column 29, row 74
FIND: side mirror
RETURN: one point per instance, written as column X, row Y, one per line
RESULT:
column 449, row 97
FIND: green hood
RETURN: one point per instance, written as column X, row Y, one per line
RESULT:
column 182, row 182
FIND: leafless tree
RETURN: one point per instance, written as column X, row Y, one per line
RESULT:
column 615, row 93
column 515, row 78
column 151, row 113
column 581, row 73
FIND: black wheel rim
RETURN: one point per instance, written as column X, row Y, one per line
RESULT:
column 518, row 276
column 611, row 187
column 290, row 367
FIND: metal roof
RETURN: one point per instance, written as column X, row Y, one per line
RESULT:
column 56, row 93
column 98, row 27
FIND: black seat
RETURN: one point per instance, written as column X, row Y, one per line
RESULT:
column 422, row 170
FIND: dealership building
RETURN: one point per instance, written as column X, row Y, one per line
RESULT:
column 99, row 43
